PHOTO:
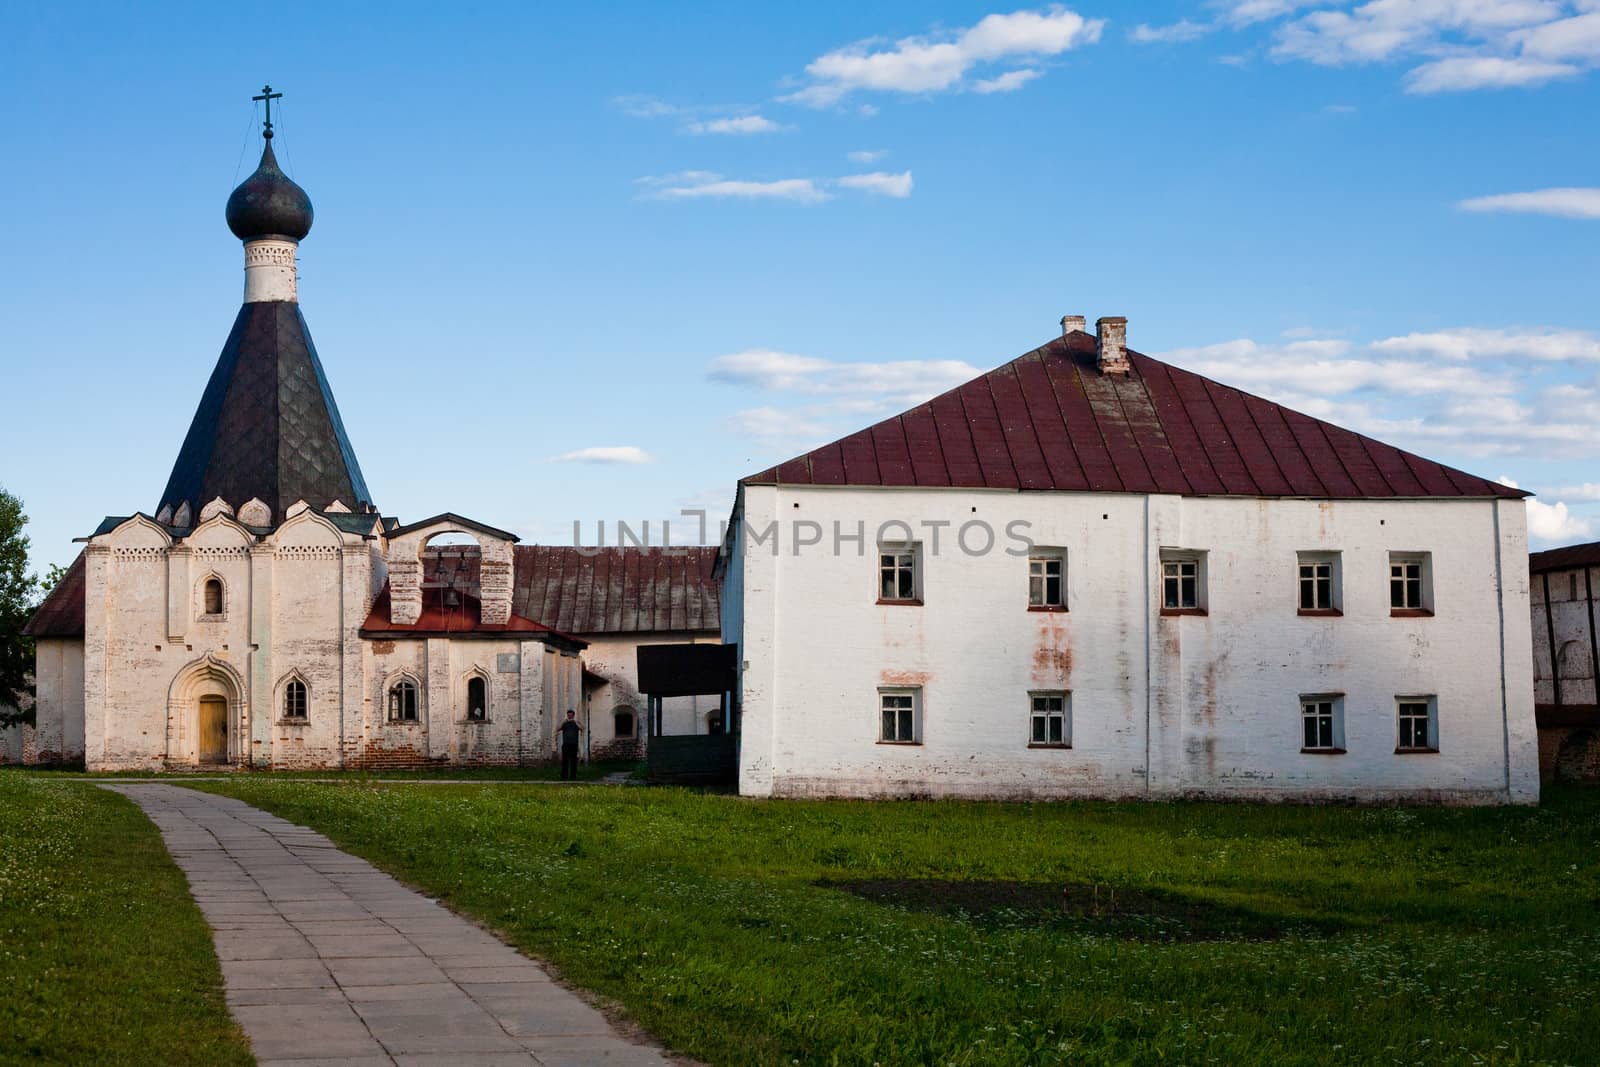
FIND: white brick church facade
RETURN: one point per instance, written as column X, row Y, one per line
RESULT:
column 266, row 614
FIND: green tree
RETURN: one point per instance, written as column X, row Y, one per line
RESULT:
column 18, row 590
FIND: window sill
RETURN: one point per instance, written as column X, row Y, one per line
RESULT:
column 1052, row 608
column 1416, row 752
column 1040, row 744
column 1322, row 752
column 404, row 722
column 901, row 744
column 300, row 720
column 1410, row 613
column 1183, row 611
column 1321, row 613
column 916, row 603
column 472, row 722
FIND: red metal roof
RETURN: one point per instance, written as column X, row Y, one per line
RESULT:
column 617, row 590
column 439, row 619
column 1567, row 557
column 1051, row 420
column 61, row 613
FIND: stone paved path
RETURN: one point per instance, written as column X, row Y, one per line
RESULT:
column 329, row 960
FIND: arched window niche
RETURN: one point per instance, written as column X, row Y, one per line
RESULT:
column 477, row 698
column 212, row 599
column 624, row 723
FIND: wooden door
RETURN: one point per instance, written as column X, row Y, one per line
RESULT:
column 213, row 730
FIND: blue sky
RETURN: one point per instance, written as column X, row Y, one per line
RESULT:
column 707, row 239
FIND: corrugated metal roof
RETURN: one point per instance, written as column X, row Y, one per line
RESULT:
column 1050, row 420
column 617, row 590
column 61, row 613
column 464, row 618
column 1568, row 557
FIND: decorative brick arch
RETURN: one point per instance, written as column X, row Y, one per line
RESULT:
column 206, row 676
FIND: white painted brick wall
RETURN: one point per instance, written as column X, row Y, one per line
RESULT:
column 1209, row 704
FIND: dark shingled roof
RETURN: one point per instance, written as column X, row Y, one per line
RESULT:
column 1051, row 420
column 61, row 614
column 1568, row 557
column 267, row 425
column 617, row 590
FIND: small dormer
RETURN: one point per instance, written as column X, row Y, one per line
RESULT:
column 448, row 557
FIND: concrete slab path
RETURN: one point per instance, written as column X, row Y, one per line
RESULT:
column 329, row 960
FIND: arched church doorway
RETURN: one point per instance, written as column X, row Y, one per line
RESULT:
column 213, row 729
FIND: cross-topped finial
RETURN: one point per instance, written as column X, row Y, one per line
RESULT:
column 269, row 96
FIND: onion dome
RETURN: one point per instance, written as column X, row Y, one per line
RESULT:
column 268, row 204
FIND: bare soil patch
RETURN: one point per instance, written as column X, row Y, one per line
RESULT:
column 1078, row 907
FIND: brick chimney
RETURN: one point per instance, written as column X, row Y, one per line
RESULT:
column 1111, row 344
column 1071, row 323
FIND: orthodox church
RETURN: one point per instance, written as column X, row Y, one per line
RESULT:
column 266, row 613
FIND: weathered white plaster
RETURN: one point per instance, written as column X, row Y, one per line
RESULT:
column 269, row 270
column 1161, row 705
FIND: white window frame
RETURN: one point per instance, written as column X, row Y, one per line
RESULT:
column 1038, row 714
column 1332, row 581
column 899, row 694
column 1423, row 561
column 305, row 700
column 1328, row 706
column 1174, row 560
column 1039, row 564
column 899, row 550
column 1430, row 708
column 396, row 713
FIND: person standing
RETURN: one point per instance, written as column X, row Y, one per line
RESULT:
column 569, row 746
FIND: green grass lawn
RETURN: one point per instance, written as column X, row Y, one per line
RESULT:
column 1186, row 932
column 103, row 956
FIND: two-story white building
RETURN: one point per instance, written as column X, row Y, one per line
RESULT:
column 1091, row 573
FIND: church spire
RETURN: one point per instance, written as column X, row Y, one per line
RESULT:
column 270, row 214
column 267, row 428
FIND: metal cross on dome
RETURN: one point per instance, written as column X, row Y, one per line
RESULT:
column 269, row 96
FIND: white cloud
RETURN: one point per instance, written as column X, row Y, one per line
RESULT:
column 1586, row 491
column 895, row 185
column 1568, row 203
column 1484, row 72
column 938, row 63
column 851, row 388
column 645, row 107
column 1505, row 344
column 1459, row 45
column 1182, row 30
column 709, row 185
column 774, row 427
column 1009, row 82
column 1553, row 523
column 1419, row 392
column 1573, row 38
column 607, row 454
column 703, row 184
column 872, row 156
column 741, row 124
column 1247, row 12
